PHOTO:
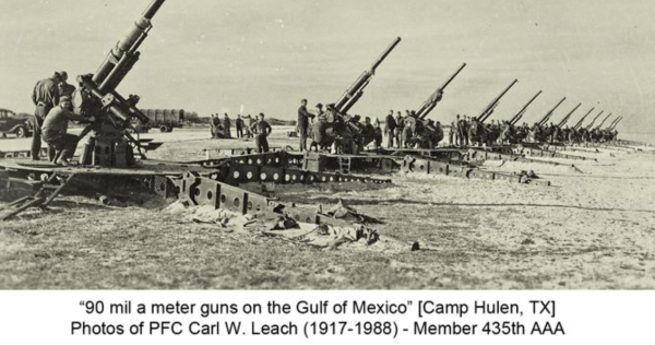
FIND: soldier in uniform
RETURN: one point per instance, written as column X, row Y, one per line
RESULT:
column 227, row 124
column 251, row 122
column 45, row 96
column 390, row 128
column 262, row 129
column 238, row 123
column 216, row 127
column 409, row 124
column 399, row 130
column 378, row 135
column 65, row 89
column 55, row 127
column 368, row 132
column 302, row 125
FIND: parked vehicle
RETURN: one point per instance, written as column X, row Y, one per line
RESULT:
column 19, row 125
column 164, row 119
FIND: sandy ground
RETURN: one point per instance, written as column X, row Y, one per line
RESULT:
column 594, row 228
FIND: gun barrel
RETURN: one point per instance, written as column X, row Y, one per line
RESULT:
column 126, row 48
column 603, row 122
column 431, row 102
column 568, row 116
column 594, row 120
column 489, row 109
column 356, row 90
column 452, row 77
column 385, row 54
column 152, row 9
column 616, row 123
column 520, row 113
column 579, row 123
column 550, row 113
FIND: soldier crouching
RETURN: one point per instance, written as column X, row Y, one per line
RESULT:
column 54, row 131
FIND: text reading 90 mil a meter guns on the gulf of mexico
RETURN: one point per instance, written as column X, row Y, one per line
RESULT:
column 317, row 318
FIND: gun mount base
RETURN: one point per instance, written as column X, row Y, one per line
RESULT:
column 108, row 151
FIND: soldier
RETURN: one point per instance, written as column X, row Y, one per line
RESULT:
column 462, row 129
column 55, row 127
column 302, row 126
column 227, row 124
column 65, row 89
column 399, row 130
column 45, row 96
column 319, row 111
column 377, row 137
column 408, row 131
column 251, row 122
column 368, row 132
column 263, row 129
column 216, row 127
column 239, row 126
column 390, row 128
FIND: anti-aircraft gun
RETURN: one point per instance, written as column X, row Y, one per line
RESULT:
column 568, row 116
column 579, row 123
column 515, row 119
column 603, row 122
column 356, row 90
column 539, row 130
column 111, row 143
column 511, row 134
column 614, row 123
column 594, row 120
column 549, row 114
column 484, row 115
column 432, row 101
column 478, row 132
column 426, row 134
column 337, row 123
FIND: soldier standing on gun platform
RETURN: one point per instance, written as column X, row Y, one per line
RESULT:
column 251, row 122
column 302, row 126
column 377, row 135
column 226, row 125
column 45, row 96
column 65, row 89
column 390, row 128
column 239, row 126
column 463, row 132
column 215, row 126
column 399, row 130
column 55, row 127
column 263, row 129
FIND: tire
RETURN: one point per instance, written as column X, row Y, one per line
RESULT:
column 21, row 132
column 163, row 129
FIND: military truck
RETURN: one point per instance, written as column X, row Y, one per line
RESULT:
column 16, row 124
column 164, row 119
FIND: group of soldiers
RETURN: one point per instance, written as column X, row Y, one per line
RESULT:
column 221, row 128
column 335, row 132
column 342, row 133
column 52, row 98
column 551, row 133
column 469, row 131
column 410, row 131
column 246, row 127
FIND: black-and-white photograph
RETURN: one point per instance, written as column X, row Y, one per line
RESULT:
column 315, row 144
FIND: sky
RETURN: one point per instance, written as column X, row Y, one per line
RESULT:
column 214, row 56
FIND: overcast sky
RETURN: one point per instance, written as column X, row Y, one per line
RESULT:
column 215, row 55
